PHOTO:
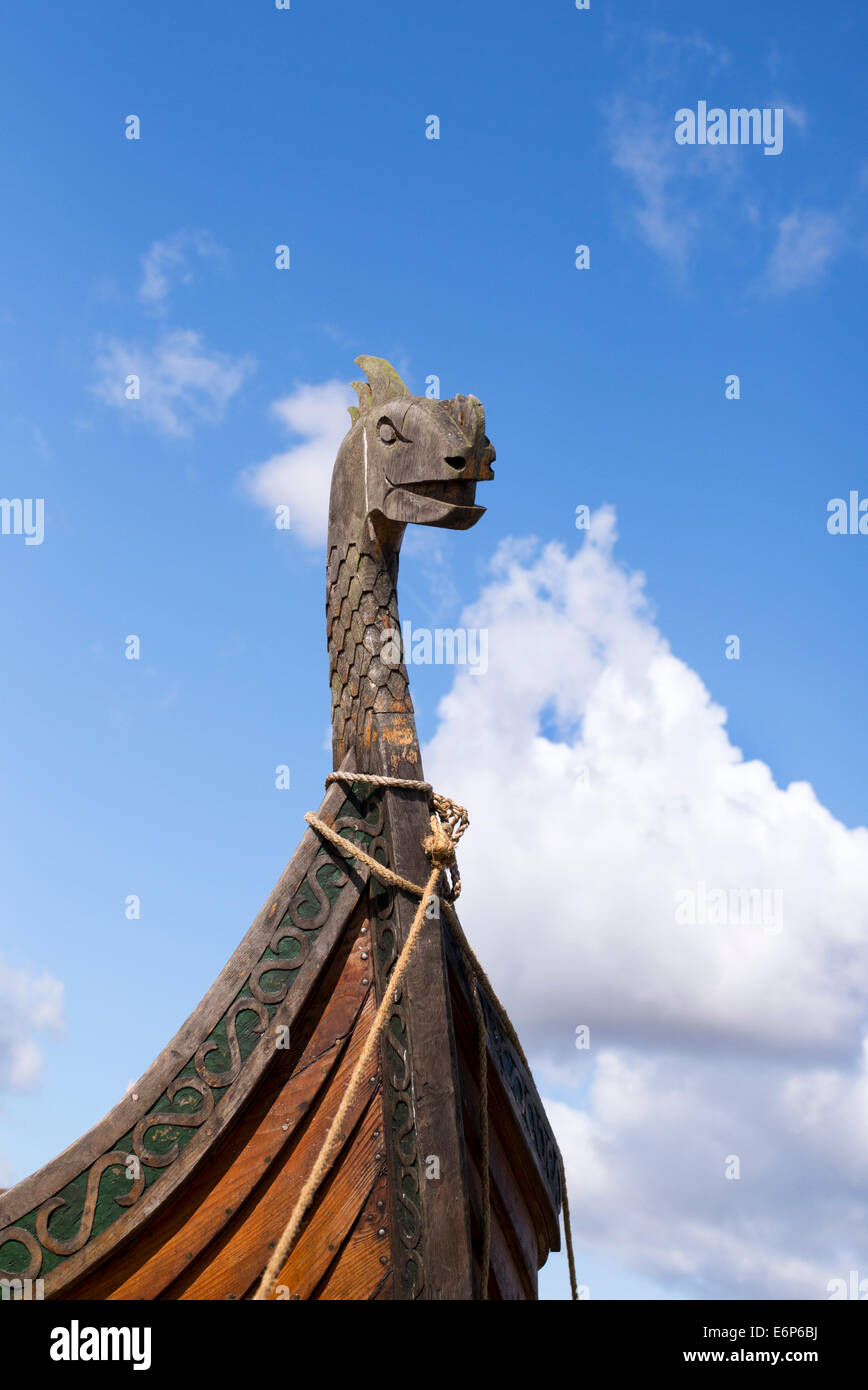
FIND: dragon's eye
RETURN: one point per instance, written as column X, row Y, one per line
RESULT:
column 386, row 430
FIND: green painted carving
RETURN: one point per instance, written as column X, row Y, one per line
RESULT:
column 210, row 1072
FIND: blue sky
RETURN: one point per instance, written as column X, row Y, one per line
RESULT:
column 602, row 387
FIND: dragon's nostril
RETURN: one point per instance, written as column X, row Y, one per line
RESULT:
column 457, row 462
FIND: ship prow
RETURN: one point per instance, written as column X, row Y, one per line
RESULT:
column 432, row 1175
column 183, row 1189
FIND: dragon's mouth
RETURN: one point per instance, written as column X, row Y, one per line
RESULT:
column 456, row 493
column 445, row 502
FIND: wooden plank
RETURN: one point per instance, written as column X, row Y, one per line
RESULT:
column 503, row 1107
column 203, row 1210
column 506, row 1191
column 363, row 1265
column 237, row 1258
column 386, row 1291
column 337, row 1210
column 508, row 1272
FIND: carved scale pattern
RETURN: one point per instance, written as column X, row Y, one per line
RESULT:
column 361, row 604
column 64, row 1223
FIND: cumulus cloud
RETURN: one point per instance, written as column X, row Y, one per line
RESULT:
column 168, row 261
column 601, row 759
column 28, row 1005
column 181, row 382
column 300, row 476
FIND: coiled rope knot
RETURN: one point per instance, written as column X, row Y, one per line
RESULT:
column 439, row 846
column 448, row 824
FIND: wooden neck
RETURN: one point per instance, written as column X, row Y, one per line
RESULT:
column 372, row 713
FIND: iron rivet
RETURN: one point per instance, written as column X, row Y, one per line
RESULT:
column 384, row 1259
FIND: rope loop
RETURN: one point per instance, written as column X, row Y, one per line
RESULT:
column 448, row 822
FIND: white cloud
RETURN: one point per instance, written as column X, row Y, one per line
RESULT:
column 797, row 115
column 181, row 382
column 643, row 149
column 28, row 1005
column 597, row 762
column 169, row 260
column 300, row 477
column 685, row 199
column 808, row 240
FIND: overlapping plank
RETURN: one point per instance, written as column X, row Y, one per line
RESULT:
column 337, row 1211
column 230, row 1265
column 362, row 1266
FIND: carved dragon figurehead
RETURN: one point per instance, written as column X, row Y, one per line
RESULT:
column 405, row 459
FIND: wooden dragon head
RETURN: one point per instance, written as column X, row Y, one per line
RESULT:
column 407, row 459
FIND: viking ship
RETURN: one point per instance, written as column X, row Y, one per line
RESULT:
column 325, row 1047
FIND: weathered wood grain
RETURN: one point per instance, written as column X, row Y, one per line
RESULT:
column 506, row 1193
column 338, row 1208
column 508, row 1276
column 363, row 1266
column 236, row 1259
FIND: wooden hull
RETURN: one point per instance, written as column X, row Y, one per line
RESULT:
column 184, row 1189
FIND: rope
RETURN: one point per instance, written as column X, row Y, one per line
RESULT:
column 448, row 824
column 454, row 817
column 371, row 781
